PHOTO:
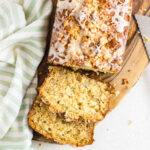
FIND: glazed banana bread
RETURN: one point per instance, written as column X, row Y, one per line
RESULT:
column 75, row 95
column 90, row 34
column 51, row 125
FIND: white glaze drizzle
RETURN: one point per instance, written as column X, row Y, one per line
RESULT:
column 81, row 13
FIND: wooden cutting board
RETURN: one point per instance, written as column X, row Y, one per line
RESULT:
column 135, row 60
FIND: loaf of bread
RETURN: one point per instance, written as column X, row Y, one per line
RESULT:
column 75, row 95
column 51, row 125
column 90, row 34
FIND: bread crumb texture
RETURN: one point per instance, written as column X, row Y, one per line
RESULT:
column 75, row 95
column 51, row 125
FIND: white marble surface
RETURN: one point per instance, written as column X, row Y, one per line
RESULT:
column 115, row 133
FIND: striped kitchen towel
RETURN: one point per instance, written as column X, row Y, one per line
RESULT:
column 23, row 32
column 19, row 136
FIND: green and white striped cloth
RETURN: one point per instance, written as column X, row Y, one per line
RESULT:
column 23, row 32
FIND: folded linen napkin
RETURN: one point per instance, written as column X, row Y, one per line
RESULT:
column 23, row 32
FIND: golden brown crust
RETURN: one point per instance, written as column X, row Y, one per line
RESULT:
column 73, row 116
column 36, row 126
column 90, row 34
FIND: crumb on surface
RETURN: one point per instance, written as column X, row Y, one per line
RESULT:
column 129, row 70
column 107, row 129
column 130, row 122
column 40, row 144
column 146, row 38
column 125, row 81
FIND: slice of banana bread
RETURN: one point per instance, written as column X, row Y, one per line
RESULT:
column 76, row 95
column 42, row 120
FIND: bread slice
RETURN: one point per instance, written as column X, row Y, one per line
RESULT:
column 76, row 95
column 42, row 120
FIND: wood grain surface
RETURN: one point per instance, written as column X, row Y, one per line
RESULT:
column 135, row 60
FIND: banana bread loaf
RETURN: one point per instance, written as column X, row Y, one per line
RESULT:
column 90, row 34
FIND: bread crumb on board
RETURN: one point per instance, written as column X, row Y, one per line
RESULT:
column 125, row 81
column 40, row 144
